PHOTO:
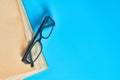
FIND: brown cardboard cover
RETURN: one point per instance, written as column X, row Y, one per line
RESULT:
column 13, row 40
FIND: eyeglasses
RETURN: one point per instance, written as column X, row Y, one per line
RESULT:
column 44, row 31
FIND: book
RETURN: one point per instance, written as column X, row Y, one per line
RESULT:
column 15, row 34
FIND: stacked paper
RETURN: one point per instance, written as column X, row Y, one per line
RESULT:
column 15, row 34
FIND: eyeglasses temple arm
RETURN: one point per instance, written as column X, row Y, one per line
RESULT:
column 31, row 60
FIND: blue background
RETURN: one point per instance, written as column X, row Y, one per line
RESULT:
column 85, row 43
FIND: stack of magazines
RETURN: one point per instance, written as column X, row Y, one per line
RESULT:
column 15, row 34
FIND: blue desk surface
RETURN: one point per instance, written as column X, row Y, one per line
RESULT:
column 85, row 43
